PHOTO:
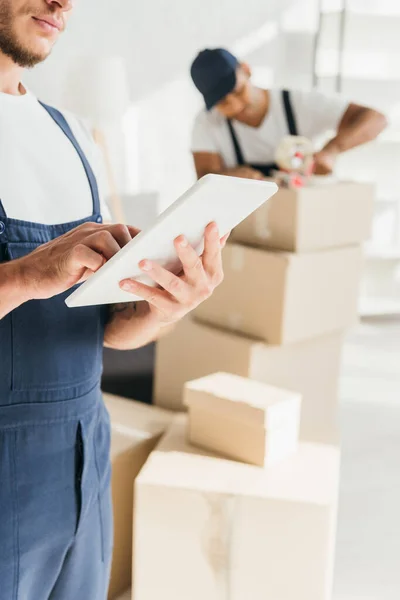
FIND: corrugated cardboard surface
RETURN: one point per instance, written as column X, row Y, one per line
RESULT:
column 242, row 418
column 138, row 419
column 136, row 430
column 228, row 437
column 311, row 218
column 310, row 368
column 192, row 351
column 284, row 298
column 242, row 399
column 218, row 529
column 242, row 441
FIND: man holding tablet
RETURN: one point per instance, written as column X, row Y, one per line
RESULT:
column 242, row 125
column 55, row 510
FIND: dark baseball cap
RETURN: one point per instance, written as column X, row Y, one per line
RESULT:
column 214, row 74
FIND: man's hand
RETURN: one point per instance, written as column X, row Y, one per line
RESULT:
column 325, row 159
column 358, row 125
column 211, row 162
column 245, row 173
column 60, row 264
column 178, row 295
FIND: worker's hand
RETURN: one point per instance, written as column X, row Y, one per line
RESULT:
column 247, row 173
column 178, row 295
column 325, row 159
column 60, row 264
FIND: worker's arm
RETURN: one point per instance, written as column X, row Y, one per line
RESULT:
column 136, row 324
column 210, row 162
column 60, row 264
column 12, row 289
column 131, row 325
column 358, row 126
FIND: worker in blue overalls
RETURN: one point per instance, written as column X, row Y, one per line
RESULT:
column 55, row 513
column 242, row 125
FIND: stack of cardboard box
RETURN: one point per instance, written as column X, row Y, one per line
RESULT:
column 202, row 526
column 217, row 522
column 203, row 523
column 208, row 527
column 292, row 273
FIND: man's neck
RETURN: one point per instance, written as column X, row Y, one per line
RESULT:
column 10, row 77
column 258, row 110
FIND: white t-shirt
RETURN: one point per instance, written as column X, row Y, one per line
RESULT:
column 315, row 114
column 42, row 178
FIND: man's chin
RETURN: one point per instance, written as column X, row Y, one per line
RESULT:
column 30, row 62
column 29, row 57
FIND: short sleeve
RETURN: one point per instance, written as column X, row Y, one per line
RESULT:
column 202, row 135
column 94, row 156
column 317, row 113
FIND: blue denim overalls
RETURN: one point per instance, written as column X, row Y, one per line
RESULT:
column 55, row 505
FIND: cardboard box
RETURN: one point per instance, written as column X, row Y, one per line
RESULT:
column 210, row 528
column 135, row 431
column 310, row 368
column 311, row 218
column 284, row 298
column 243, row 419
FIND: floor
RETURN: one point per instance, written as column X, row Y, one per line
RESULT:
column 368, row 544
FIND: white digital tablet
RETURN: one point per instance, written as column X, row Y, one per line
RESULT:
column 225, row 200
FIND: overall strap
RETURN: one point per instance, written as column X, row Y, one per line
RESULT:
column 2, row 211
column 290, row 118
column 62, row 123
column 238, row 150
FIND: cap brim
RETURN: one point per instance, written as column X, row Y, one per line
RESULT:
column 224, row 87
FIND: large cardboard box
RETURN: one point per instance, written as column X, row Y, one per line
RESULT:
column 310, row 368
column 135, row 431
column 210, row 528
column 243, row 419
column 283, row 298
column 311, row 218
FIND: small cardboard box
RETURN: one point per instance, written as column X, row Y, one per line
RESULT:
column 310, row 368
column 211, row 528
column 243, row 419
column 311, row 218
column 282, row 298
column 135, row 431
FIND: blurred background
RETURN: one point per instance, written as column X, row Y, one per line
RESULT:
column 124, row 66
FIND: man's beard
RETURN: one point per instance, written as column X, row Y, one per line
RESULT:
column 9, row 44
